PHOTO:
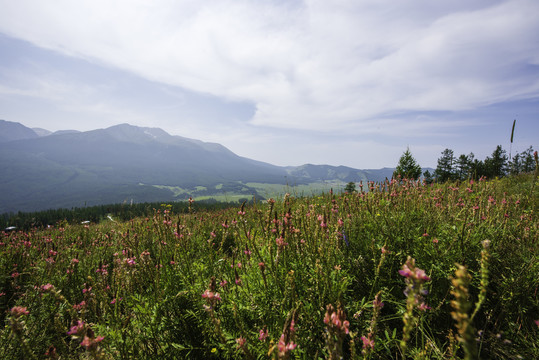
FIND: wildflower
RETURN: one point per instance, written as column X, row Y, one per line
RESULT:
column 263, row 334
column 211, row 296
column 18, row 311
column 415, row 277
column 80, row 306
column 241, row 342
column 368, row 344
column 345, row 239
column 76, row 261
column 90, row 343
column 47, row 287
column 76, row 329
column 283, row 347
column 280, row 241
column 377, row 303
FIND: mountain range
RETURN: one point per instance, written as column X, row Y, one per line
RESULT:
column 42, row 169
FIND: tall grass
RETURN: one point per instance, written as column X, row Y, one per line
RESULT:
column 400, row 271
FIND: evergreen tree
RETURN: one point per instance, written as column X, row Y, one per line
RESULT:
column 477, row 168
column 522, row 162
column 463, row 166
column 496, row 164
column 515, row 165
column 528, row 162
column 444, row 169
column 350, row 187
column 427, row 177
column 407, row 167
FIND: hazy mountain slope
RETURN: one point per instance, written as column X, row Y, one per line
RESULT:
column 10, row 131
column 116, row 164
column 125, row 162
column 310, row 172
column 42, row 132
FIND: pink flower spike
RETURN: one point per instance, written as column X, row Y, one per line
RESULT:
column 406, row 272
column 18, row 311
column 47, row 287
column 263, row 334
column 367, row 343
column 76, row 329
column 420, row 274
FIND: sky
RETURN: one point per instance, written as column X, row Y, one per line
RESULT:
column 289, row 82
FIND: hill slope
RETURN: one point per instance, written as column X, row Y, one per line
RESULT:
column 130, row 163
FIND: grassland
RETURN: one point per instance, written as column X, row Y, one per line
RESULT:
column 239, row 191
column 403, row 270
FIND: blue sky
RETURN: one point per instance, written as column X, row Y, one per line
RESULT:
column 287, row 82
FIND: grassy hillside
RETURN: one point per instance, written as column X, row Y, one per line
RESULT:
column 402, row 271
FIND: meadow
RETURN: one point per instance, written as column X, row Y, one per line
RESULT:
column 396, row 270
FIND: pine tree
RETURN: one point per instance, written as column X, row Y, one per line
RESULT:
column 444, row 169
column 407, row 167
column 350, row 187
column 496, row 164
column 462, row 166
column 427, row 177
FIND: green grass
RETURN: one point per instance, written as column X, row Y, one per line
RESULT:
column 305, row 277
column 311, row 189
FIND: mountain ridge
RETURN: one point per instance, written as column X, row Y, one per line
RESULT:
column 126, row 162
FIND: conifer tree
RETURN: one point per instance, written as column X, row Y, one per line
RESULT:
column 444, row 169
column 407, row 167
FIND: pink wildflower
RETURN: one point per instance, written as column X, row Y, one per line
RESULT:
column 47, row 287
column 241, row 342
column 18, row 311
column 367, row 343
column 406, row 272
column 283, row 347
column 76, row 329
column 263, row 334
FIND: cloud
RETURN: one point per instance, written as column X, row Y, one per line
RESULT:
column 305, row 65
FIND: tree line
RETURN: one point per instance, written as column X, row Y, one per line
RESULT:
column 95, row 214
column 453, row 168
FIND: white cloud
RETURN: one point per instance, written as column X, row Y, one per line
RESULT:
column 305, row 65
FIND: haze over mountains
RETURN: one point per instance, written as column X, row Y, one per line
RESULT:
column 124, row 163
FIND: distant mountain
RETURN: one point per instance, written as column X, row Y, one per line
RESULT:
column 310, row 172
column 130, row 163
column 60, row 132
column 10, row 131
column 42, row 132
